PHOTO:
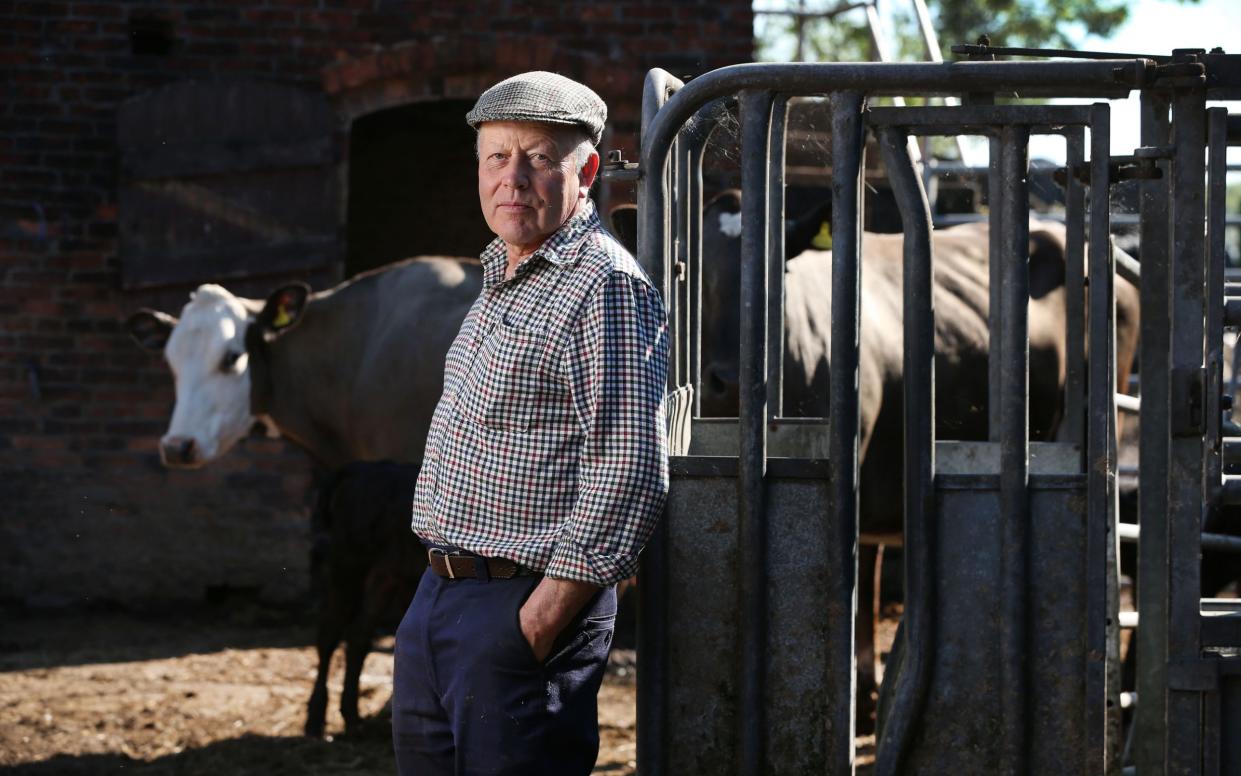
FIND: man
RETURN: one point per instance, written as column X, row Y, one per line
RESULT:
column 546, row 464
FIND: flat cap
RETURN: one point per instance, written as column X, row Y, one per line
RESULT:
column 545, row 97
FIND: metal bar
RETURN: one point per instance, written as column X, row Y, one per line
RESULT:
column 756, row 109
column 995, row 269
column 775, row 259
column 693, row 271
column 678, row 302
column 1101, row 596
column 1014, row 446
column 1073, row 427
column 1217, row 257
column 1151, row 640
column 695, row 139
column 1101, row 78
column 847, row 155
column 1185, row 470
column 1215, row 542
column 979, row 119
column 913, row 679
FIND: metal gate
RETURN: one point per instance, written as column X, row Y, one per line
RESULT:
column 1005, row 662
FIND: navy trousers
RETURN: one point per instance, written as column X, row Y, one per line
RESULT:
column 470, row 699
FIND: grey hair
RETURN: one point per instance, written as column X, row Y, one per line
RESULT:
column 581, row 151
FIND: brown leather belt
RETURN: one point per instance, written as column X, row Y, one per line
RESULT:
column 454, row 565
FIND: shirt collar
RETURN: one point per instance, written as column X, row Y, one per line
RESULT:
column 558, row 249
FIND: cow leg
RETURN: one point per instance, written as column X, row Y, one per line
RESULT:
column 358, row 640
column 870, row 559
column 331, row 626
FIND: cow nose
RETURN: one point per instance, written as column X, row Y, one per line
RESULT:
column 177, row 451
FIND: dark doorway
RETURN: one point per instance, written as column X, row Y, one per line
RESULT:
column 412, row 186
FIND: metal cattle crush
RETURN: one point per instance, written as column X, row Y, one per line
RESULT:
column 1007, row 658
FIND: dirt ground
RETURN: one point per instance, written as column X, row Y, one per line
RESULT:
column 218, row 691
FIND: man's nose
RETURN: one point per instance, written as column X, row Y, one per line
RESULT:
column 517, row 177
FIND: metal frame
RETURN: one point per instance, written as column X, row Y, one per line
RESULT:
column 1171, row 732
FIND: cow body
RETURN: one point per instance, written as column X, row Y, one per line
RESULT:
column 961, row 303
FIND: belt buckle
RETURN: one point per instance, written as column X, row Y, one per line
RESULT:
column 447, row 556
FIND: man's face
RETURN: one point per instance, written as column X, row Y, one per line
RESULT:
column 528, row 184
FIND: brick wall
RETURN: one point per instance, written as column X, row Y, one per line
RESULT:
column 88, row 513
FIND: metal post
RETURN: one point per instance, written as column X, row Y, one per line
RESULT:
column 653, row 248
column 756, row 109
column 1185, row 469
column 918, row 656
column 1151, row 638
column 1014, row 446
column 847, row 150
column 1217, row 174
column 1100, row 471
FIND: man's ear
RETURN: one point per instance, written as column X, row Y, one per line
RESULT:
column 283, row 310
column 150, row 328
column 589, row 171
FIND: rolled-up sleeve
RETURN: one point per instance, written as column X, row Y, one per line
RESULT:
column 616, row 365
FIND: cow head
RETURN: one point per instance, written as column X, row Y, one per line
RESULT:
column 206, row 351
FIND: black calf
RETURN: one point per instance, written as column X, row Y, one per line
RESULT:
column 365, row 564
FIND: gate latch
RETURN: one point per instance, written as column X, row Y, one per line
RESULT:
column 616, row 168
column 1188, row 401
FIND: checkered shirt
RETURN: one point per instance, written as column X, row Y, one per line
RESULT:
column 548, row 446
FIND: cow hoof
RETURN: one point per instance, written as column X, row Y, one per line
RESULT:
column 313, row 729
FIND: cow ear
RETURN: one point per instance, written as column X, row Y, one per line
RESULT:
column 809, row 230
column 623, row 223
column 283, row 309
column 150, row 329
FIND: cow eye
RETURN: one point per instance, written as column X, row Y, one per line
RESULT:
column 229, row 360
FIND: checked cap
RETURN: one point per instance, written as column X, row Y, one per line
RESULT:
column 544, row 97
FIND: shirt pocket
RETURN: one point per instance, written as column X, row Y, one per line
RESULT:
column 507, row 382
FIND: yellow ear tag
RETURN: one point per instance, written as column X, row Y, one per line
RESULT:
column 282, row 318
column 823, row 240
